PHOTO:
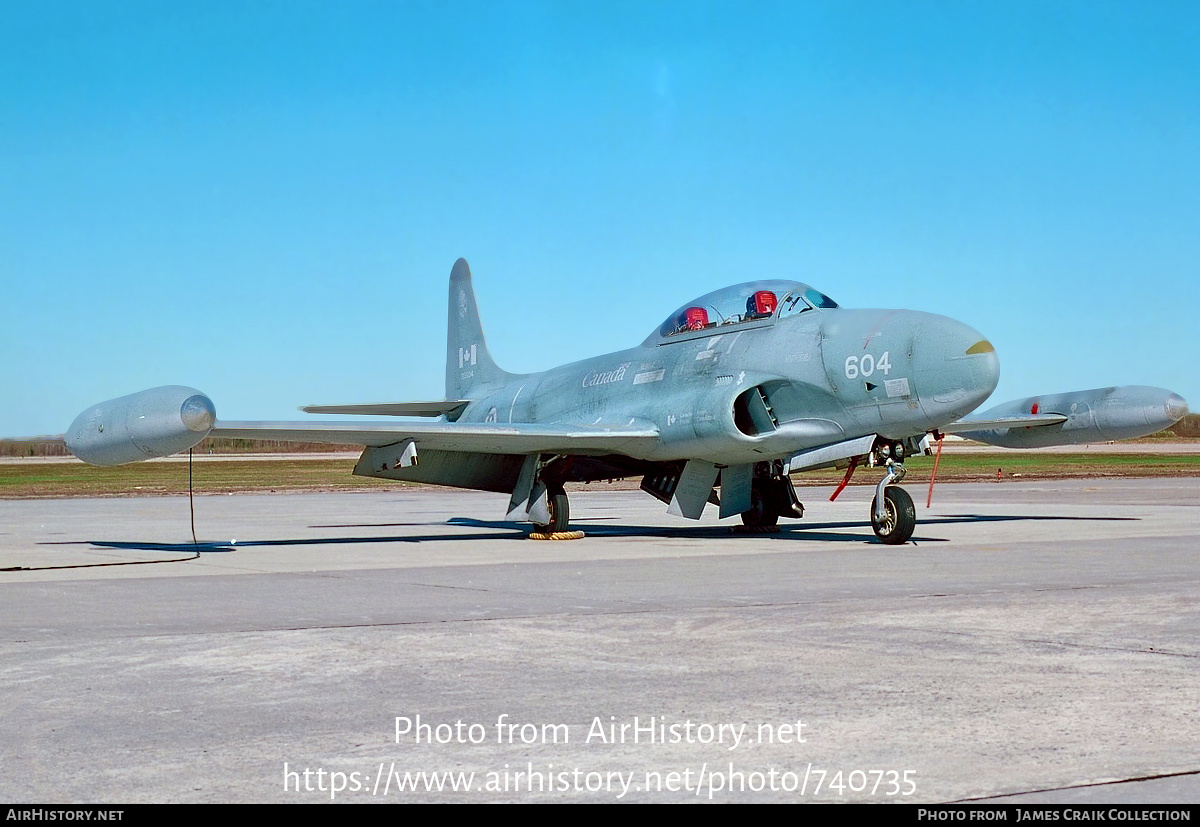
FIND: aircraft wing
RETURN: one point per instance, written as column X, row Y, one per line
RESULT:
column 1019, row 421
column 467, row 437
column 164, row 421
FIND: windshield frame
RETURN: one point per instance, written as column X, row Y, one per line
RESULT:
column 727, row 310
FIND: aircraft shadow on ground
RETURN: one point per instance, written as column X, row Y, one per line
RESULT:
column 787, row 531
column 210, row 547
column 501, row 530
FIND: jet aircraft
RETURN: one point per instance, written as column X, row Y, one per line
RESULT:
column 735, row 391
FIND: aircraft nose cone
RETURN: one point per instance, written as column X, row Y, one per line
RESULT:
column 957, row 365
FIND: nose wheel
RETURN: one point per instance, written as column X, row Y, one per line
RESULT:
column 899, row 518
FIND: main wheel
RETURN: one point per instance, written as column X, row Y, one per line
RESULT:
column 762, row 511
column 900, row 520
column 560, row 510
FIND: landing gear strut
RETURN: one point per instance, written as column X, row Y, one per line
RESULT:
column 893, row 515
column 771, row 497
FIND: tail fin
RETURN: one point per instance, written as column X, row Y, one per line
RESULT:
column 468, row 363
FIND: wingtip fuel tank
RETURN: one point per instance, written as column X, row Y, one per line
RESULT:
column 1097, row 415
column 145, row 425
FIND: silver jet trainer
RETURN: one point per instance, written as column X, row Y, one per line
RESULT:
column 731, row 394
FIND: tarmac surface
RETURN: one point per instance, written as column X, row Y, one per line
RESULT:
column 1038, row 642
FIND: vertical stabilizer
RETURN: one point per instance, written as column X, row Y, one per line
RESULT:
column 468, row 363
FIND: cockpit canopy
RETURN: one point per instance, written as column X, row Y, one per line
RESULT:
column 742, row 303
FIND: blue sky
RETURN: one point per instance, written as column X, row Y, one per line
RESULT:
column 264, row 199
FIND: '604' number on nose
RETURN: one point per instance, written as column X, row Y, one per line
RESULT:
column 866, row 365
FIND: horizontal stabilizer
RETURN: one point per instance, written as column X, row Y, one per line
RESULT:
column 449, row 407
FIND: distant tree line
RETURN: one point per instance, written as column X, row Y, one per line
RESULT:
column 1188, row 427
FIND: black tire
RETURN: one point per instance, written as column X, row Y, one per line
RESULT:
column 560, row 510
column 901, row 519
column 761, row 512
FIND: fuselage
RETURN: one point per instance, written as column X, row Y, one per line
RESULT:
column 764, row 386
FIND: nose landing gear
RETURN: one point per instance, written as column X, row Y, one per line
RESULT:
column 893, row 515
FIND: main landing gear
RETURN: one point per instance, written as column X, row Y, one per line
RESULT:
column 559, row 507
column 539, row 497
column 771, row 497
column 893, row 515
